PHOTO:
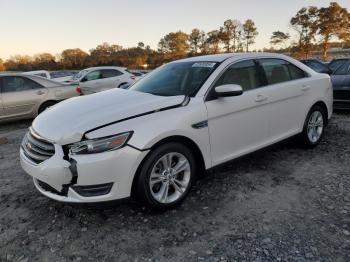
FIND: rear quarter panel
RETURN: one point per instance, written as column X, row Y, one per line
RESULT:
column 321, row 90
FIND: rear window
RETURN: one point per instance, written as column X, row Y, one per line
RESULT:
column 106, row 73
column 278, row 71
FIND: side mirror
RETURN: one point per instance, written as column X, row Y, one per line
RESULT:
column 228, row 90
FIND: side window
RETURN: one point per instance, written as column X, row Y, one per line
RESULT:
column 41, row 75
column 318, row 67
column 334, row 65
column 295, row 72
column 16, row 84
column 343, row 70
column 243, row 73
column 276, row 70
column 106, row 73
column 94, row 75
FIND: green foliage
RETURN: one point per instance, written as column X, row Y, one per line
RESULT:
column 315, row 27
column 332, row 22
column 250, row 32
column 231, row 34
column 279, row 38
column 2, row 66
column 196, row 40
column 174, row 44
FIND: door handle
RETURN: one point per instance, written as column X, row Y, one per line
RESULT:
column 305, row 88
column 40, row 92
column 260, row 98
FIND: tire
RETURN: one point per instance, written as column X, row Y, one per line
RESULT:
column 45, row 106
column 165, row 180
column 122, row 84
column 313, row 127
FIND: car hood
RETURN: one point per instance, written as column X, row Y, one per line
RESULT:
column 68, row 121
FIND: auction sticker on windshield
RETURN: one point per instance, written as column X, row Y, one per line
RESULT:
column 204, row 64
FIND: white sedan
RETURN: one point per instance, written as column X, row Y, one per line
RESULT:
column 150, row 142
column 101, row 78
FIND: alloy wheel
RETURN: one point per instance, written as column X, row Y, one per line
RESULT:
column 170, row 177
column 315, row 126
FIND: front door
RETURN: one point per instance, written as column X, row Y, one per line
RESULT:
column 239, row 124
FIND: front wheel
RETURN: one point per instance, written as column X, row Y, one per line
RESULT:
column 166, row 176
column 313, row 127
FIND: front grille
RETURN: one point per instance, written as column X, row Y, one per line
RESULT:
column 36, row 148
column 341, row 94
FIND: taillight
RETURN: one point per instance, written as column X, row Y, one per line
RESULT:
column 78, row 89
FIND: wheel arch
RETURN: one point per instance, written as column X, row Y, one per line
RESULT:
column 45, row 102
column 197, row 154
column 122, row 83
column 323, row 105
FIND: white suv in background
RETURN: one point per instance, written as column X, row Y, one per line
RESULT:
column 187, row 116
column 97, row 79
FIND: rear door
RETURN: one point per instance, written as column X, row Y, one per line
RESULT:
column 287, row 93
column 21, row 96
column 92, row 82
column 112, row 78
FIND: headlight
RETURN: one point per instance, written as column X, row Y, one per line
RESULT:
column 100, row 145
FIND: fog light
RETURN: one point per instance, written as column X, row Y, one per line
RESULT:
column 93, row 190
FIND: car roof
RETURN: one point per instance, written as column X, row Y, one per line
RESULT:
column 340, row 59
column 222, row 57
column 36, row 71
column 105, row 67
column 42, row 80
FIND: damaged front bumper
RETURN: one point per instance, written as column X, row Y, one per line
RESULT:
column 85, row 178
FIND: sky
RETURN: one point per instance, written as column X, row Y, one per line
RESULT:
column 35, row 26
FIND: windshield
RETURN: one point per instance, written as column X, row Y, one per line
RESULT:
column 179, row 78
column 80, row 74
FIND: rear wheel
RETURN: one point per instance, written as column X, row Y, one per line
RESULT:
column 124, row 85
column 45, row 106
column 313, row 127
column 166, row 176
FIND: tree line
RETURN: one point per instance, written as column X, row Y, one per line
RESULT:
column 316, row 29
column 233, row 36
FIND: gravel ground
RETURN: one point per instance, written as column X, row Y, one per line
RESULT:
column 282, row 204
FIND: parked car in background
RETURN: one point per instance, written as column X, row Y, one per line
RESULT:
column 150, row 141
column 138, row 75
column 336, row 63
column 58, row 76
column 317, row 66
column 97, row 79
column 41, row 73
column 62, row 76
column 26, row 96
column 341, row 86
